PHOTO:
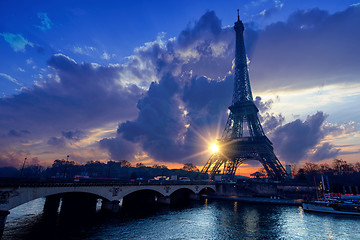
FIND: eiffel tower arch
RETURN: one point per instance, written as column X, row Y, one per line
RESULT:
column 243, row 138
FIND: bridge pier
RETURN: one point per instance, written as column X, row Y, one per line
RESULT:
column 78, row 203
column 164, row 200
column 194, row 196
column 3, row 215
column 51, row 204
column 110, row 206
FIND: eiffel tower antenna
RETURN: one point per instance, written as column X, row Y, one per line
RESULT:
column 243, row 138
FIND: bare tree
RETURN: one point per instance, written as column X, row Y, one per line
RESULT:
column 310, row 167
column 357, row 166
column 294, row 169
column 125, row 163
column 324, row 168
column 337, row 165
column 190, row 167
column 139, row 165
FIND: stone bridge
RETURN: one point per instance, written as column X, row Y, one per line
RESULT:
column 86, row 195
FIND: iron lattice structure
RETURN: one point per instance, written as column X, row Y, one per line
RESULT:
column 243, row 138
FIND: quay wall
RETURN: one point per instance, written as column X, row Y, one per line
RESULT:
column 266, row 190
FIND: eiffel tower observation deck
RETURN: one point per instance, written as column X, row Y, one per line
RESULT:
column 243, row 138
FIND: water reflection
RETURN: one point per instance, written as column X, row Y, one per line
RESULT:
column 205, row 220
column 251, row 222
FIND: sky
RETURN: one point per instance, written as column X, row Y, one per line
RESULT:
column 151, row 81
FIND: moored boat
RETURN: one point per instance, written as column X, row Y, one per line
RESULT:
column 338, row 205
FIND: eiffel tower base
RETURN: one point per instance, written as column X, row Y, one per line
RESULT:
column 237, row 151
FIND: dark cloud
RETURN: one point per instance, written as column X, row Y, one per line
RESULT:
column 263, row 106
column 213, row 96
column 170, row 116
column 325, row 151
column 202, row 49
column 312, row 48
column 118, row 148
column 270, row 121
column 343, row 129
column 205, row 48
column 16, row 133
column 74, row 135
column 206, row 27
column 79, row 96
column 160, row 125
column 180, row 103
column 57, row 142
column 76, row 96
column 293, row 140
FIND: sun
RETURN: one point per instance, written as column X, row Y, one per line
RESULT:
column 214, row 148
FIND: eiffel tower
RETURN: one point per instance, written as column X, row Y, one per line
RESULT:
column 243, row 138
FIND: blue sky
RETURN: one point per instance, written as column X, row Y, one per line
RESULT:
column 76, row 78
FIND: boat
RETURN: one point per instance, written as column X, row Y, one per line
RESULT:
column 339, row 204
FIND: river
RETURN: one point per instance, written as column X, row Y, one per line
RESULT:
column 203, row 220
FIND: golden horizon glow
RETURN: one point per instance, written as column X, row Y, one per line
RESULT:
column 214, row 148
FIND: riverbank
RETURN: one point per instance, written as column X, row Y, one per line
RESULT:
column 264, row 192
column 258, row 200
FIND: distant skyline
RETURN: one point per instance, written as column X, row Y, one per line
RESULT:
column 151, row 81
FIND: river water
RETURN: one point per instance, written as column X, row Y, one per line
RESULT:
column 203, row 220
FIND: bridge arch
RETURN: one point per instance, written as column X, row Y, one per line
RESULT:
column 183, row 190
column 140, row 191
column 141, row 199
column 135, row 189
column 23, row 195
column 182, row 196
column 207, row 190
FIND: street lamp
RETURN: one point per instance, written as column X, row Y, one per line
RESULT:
column 67, row 159
column 22, row 169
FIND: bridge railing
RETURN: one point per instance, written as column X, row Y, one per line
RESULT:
column 18, row 182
